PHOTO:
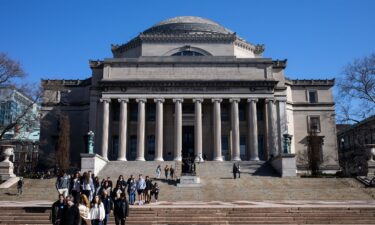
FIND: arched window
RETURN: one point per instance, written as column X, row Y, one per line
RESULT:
column 187, row 53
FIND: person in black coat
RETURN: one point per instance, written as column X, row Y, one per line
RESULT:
column 70, row 214
column 234, row 171
column 121, row 209
column 57, row 208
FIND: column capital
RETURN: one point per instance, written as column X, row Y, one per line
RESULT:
column 270, row 100
column 156, row 100
column 234, row 100
column 252, row 100
column 141, row 100
column 105, row 100
column 217, row 100
column 126, row 100
column 178, row 100
column 200, row 100
column 281, row 100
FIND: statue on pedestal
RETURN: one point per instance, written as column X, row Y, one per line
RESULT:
column 90, row 142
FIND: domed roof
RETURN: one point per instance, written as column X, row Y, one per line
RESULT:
column 187, row 24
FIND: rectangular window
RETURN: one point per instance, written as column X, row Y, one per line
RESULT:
column 132, row 147
column 225, row 147
column 151, row 108
column 313, row 96
column 133, row 112
column 243, row 147
column 242, row 111
column 314, row 123
column 151, row 145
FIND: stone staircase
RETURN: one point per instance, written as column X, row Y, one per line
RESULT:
column 213, row 215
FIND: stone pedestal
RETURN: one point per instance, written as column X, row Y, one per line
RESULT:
column 6, row 166
column 285, row 165
column 92, row 162
column 189, row 181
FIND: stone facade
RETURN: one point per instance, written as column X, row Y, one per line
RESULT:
column 190, row 87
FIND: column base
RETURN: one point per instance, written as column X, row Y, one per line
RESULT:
column 178, row 158
column 140, row 159
column 218, row 158
column 121, row 159
column 236, row 158
column 256, row 158
column 159, row 159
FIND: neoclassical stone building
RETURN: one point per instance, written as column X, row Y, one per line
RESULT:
column 188, row 86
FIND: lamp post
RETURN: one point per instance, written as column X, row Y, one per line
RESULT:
column 90, row 141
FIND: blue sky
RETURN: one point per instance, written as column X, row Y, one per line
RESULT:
column 55, row 39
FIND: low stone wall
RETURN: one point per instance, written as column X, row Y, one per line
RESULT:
column 93, row 162
column 285, row 165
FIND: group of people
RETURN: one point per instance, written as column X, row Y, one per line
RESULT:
column 70, row 211
column 168, row 172
column 95, row 199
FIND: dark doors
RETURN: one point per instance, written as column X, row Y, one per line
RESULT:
column 188, row 141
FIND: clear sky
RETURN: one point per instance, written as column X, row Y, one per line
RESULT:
column 55, row 39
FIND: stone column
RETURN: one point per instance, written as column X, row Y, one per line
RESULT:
column 252, row 129
column 178, row 129
column 105, row 127
column 272, row 127
column 123, row 129
column 198, row 129
column 217, row 130
column 159, row 130
column 235, row 124
column 141, row 129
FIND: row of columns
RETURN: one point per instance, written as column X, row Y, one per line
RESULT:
column 252, row 128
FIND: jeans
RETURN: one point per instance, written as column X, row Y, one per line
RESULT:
column 96, row 222
column 132, row 198
column 106, row 218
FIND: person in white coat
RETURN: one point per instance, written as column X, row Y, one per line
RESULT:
column 97, row 211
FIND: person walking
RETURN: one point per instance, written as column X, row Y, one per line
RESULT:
column 141, row 185
column 97, row 211
column 56, row 210
column 158, row 172
column 166, row 171
column 20, row 184
column 108, row 206
column 84, row 210
column 70, row 214
column 121, row 210
column 234, row 171
column 62, row 184
column 88, row 186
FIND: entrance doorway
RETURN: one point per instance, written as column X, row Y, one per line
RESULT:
column 187, row 141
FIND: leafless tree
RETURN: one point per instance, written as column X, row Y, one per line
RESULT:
column 11, row 75
column 356, row 97
column 63, row 143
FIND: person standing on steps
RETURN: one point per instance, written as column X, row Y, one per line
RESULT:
column 70, row 214
column 148, row 190
column 132, row 189
column 239, row 170
column 166, row 171
column 84, row 210
column 155, row 191
column 75, row 185
column 56, row 210
column 20, row 186
column 141, row 185
column 234, row 170
column 108, row 206
column 97, row 211
column 121, row 210
column 171, row 172
column 158, row 172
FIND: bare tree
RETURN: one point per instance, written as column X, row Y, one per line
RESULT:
column 11, row 75
column 63, row 143
column 357, row 88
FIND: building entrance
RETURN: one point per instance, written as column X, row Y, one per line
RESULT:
column 188, row 141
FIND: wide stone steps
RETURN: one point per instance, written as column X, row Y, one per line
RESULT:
column 198, row 215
